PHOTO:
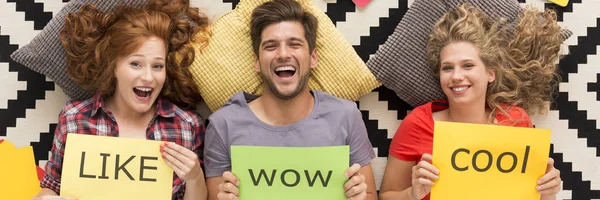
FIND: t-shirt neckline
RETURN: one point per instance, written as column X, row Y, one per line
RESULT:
column 247, row 98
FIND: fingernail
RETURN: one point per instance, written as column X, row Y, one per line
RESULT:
column 346, row 175
column 237, row 183
column 538, row 187
column 539, row 181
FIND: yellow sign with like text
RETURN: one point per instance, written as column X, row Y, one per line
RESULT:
column 488, row 161
column 101, row 167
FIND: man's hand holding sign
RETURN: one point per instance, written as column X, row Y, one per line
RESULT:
column 473, row 161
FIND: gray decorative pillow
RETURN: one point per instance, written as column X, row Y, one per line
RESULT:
column 45, row 55
column 401, row 62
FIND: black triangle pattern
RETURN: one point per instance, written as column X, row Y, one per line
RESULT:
column 568, row 110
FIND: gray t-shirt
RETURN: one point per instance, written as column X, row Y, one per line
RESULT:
column 332, row 122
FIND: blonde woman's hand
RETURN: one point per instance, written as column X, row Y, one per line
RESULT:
column 549, row 184
column 423, row 176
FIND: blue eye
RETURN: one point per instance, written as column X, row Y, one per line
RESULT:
column 135, row 64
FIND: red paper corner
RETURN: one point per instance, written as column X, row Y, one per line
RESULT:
column 361, row 3
column 40, row 173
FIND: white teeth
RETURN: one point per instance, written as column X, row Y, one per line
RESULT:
column 285, row 68
column 143, row 89
column 459, row 89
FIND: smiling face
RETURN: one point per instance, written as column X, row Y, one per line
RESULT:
column 141, row 76
column 284, row 59
column 463, row 75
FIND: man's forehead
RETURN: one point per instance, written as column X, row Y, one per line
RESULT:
column 286, row 30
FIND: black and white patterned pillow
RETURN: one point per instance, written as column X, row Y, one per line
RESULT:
column 401, row 62
column 45, row 55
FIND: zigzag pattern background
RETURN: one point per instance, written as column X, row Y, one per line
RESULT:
column 30, row 103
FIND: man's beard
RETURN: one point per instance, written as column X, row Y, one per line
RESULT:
column 273, row 88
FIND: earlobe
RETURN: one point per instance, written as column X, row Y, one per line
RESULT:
column 314, row 58
column 492, row 76
column 256, row 64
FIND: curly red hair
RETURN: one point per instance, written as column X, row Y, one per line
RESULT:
column 95, row 40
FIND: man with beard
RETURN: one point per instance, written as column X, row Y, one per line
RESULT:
column 288, row 113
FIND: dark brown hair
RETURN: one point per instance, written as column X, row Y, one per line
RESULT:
column 94, row 41
column 523, row 56
column 277, row 11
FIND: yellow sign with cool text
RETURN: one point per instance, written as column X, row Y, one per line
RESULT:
column 490, row 162
column 103, row 167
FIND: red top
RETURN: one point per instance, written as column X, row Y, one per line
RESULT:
column 414, row 137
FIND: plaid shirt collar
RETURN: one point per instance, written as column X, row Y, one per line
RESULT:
column 164, row 107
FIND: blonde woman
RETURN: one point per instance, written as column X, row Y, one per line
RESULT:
column 492, row 74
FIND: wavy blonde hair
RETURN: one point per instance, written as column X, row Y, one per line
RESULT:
column 523, row 56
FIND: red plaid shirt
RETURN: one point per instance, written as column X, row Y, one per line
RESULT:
column 170, row 123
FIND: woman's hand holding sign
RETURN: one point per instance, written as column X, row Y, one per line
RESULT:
column 549, row 184
column 186, row 165
column 51, row 197
column 183, row 161
column 423, row 176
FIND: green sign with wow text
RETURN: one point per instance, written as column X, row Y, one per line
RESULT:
column 290, row 172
